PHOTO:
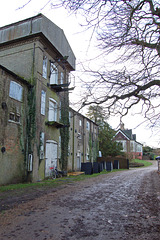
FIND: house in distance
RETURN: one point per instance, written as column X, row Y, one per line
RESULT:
column 131, row 147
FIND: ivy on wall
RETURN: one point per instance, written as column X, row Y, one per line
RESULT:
column 30, row 125
column 64, row 132
column 93, row 148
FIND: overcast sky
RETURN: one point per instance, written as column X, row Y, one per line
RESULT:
column 81, row 46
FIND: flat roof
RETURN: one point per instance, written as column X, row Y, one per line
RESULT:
column 39, row 24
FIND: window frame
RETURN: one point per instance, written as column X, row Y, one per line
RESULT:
column 88, row 125
column 43, row 102
column 44, row 68
column 15, row 91
column 52, row 117
column 53, row 74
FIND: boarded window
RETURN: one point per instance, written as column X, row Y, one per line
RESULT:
column 43, row 102
column 15, row 91
column 53, row 74
column 44, row 74
column 52, row 116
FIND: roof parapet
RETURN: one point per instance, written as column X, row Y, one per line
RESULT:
column 39, row 24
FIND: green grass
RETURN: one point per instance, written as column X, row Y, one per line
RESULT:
column 55, row 182
column 146, row 163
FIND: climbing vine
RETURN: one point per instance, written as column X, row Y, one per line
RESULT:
column 93, row 148
column 90, row 147
column 64, row 131
column 31, row 122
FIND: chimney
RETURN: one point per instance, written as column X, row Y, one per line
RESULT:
column 121, row 125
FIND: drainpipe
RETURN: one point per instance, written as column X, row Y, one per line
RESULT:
column 83, row 140
column 73, row 143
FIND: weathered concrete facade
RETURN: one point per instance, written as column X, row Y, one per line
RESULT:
column 83, row 143
column 36, row 50
column 13, row 116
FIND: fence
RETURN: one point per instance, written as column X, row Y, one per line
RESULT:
column 105, row 163
column 122, row 161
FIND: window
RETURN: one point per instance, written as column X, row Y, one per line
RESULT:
column 123, row 144
column 41, row 155
column 53, row 74
column 60, row 115
column 15, row 91
column 62, row 77
column 70, row 115
column 88, row 125
column 132, row 146
column 59, row 147
column 11, row 117
column 80, row 122
column 17, row 118
column 44, row 74
column 52, row 116
column 139, row 148
column 43, row 102
column 79, row 136
column 14, row 117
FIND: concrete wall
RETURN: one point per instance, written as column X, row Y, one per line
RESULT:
column 12, row 132
column 83, row 141
column 39, row 25
column 22, row 48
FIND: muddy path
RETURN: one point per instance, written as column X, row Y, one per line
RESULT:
column 122, row 205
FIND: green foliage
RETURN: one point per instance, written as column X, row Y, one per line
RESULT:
column 146, row 164
column 106, row 133
column 96, row 114
column 147, row 149
column 31, row 120
column 64, row 131
column 107, row 146
column 54, row 182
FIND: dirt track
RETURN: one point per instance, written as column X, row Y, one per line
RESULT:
column 122, row 205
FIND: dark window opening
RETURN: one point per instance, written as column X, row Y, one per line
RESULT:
column 11, row 116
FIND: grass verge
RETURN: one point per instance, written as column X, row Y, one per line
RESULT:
column 55, row 182
column 145, row 163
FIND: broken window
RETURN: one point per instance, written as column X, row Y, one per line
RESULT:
column 52, row 115
column 43, row 102
column 53, row 74
column 12, row 116
column 17, row 118
column 44, row 74
column 15, row 91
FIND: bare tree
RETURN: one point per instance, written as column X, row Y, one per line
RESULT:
column 129, row 29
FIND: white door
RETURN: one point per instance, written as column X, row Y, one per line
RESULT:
column 51, row 156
